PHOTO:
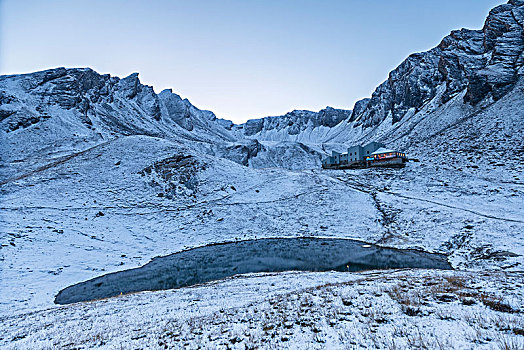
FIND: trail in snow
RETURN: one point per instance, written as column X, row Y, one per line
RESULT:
column 367, row 189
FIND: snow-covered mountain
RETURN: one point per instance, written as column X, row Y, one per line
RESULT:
column 484, row 63
column 102, row 103
column 470, row 69
column 480, row 66
column 298, row 125
column 75, row 108
column 99, row 174
column 466, row 73
column 467, row 89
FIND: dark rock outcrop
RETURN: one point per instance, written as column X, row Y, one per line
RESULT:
column 242, row 152
column 178, row 109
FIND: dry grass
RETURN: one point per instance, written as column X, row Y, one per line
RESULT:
column 504, row 343
column 496, row 303
column 409, row 300
column 361, row 313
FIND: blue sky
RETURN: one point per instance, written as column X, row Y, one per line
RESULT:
column 239, row 58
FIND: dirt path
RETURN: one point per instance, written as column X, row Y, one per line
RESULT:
column 367, row 189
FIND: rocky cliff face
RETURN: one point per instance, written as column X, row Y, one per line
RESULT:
column 484, row 62
column 481, row 66
column 102, row 103
column 292, row 125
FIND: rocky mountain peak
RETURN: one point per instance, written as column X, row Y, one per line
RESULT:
column 485, row 62
column 102, row 103
column 294, row 122
column 130, row 85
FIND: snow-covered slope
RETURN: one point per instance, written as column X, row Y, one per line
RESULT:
column 48, row 114
column 330, row 310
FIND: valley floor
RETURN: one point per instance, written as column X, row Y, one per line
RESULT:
column 101, row 211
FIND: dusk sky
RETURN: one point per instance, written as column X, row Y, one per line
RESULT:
column 241, row 59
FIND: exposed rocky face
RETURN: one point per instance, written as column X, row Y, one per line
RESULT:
column 482, row 63
column 178, row 110
column 103, row 104
column 241, row 152
column 295, row 122
column 485, row 62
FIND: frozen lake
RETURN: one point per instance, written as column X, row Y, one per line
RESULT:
column 218, row 261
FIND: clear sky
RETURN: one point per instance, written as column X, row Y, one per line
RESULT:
column 241, row 59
